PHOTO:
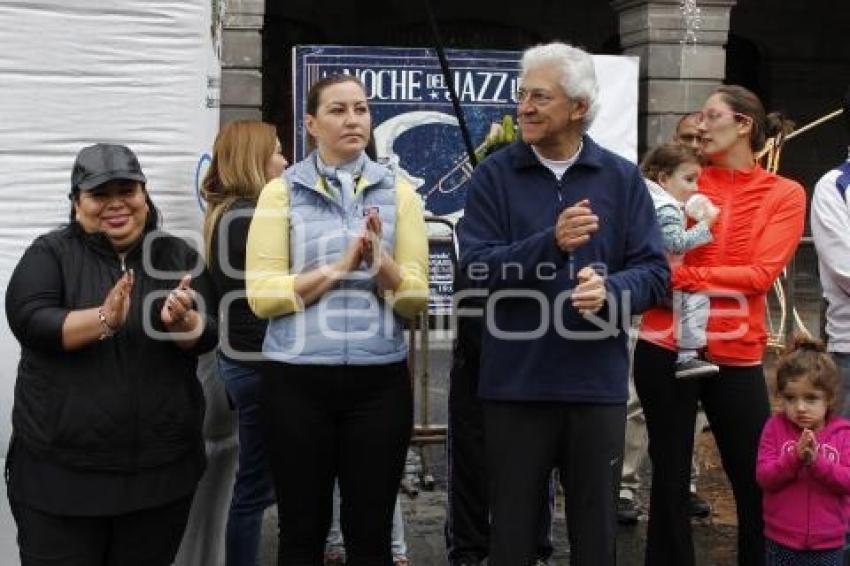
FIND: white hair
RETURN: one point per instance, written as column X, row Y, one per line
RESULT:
column 578, row 75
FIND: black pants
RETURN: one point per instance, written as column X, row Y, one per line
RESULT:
column 468, row 514
column 149, row 537
column 525, row 441
column 323, row 422
column 737, row 407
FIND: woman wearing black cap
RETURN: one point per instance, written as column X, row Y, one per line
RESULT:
column 106, row 448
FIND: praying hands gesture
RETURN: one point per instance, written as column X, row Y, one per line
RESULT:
column 366, row 247
column 381, row 264
column 807, row 446
column 372, row 251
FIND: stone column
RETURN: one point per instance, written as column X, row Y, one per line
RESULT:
column 675, row 77
column 242, row 58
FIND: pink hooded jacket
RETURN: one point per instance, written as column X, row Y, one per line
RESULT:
column 805, row 507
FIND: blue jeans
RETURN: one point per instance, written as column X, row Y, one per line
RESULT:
column 254, row 489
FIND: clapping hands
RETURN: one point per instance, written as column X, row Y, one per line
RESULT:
column 366, row 247
column 116, row 306
column 178, row 312
column 575, row 225
column 372, row 245
column 589, row 295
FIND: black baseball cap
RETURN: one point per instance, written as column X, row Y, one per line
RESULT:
column 104, row 162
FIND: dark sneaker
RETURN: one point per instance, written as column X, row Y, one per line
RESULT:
column 627, row 514
column 699, row 507
column 695, row 368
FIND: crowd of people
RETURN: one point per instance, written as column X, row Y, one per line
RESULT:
column 617, row 299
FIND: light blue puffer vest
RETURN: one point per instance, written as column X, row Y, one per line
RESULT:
column 350, row 324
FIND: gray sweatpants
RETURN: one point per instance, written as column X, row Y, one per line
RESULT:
column 692, row 309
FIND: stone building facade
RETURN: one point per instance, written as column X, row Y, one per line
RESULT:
column 803, row 73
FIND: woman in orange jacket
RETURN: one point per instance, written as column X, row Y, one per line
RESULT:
column 760, row 224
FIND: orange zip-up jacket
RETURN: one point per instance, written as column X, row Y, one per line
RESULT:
column 761, row 220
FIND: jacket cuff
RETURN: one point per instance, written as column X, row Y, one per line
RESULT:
column 554, row 253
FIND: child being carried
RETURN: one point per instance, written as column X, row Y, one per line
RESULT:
column 671, row 172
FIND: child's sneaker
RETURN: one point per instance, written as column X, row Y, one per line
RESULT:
column 695, row 368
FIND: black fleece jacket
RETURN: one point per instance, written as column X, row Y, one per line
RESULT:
column 125, row 403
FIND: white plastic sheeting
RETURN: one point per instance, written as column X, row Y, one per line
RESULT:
column 144, row 74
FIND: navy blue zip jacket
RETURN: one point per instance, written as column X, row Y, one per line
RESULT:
column 536, row 346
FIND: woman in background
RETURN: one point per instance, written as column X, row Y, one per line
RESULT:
column 246, row 156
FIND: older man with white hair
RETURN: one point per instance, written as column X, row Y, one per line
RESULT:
column 563, row 234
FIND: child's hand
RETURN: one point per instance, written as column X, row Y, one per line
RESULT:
column 806, row 446
column 711, row 214
column 700, row 208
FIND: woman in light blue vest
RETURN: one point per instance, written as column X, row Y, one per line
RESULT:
column 336, row 260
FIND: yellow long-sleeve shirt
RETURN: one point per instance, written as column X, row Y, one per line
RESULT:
column 271, row 287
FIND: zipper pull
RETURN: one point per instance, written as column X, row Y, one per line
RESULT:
column 123, row 265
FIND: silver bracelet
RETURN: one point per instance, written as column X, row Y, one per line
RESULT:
column 108, row 331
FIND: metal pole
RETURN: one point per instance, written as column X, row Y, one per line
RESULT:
column 444, row 65
column 411, row 353
column 408, row 480
column 424, row 402
column 791, row 289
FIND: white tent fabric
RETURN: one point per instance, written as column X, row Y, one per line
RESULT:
column 144, row 74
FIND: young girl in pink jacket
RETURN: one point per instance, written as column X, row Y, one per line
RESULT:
column 804, row 462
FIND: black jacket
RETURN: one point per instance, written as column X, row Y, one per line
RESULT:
column 242, row 329
column 125, row 403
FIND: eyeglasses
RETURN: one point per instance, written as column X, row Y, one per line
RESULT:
column 712, row 116
column 534, row 96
